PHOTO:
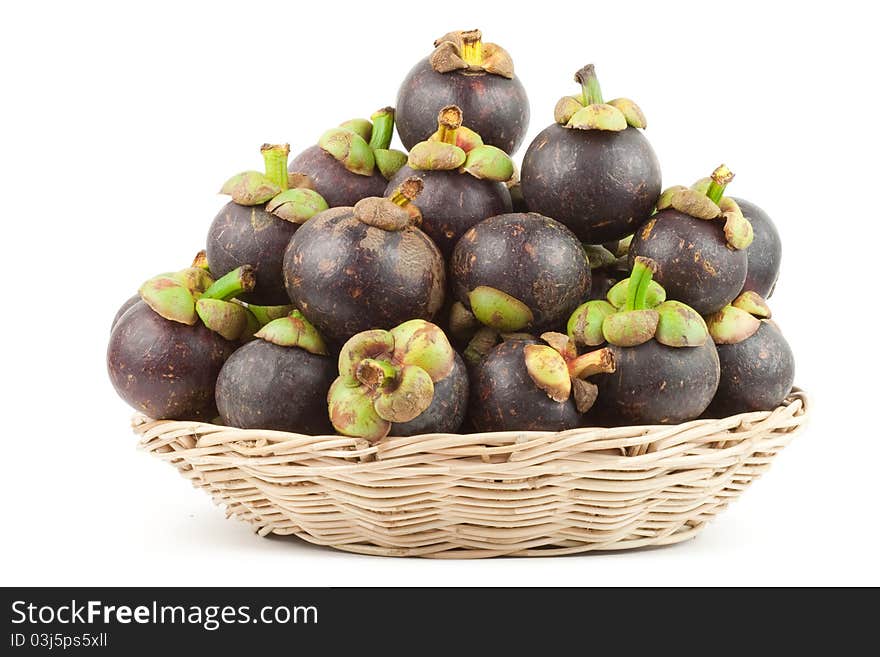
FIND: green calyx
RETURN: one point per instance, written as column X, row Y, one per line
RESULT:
column 288, row 196
column 297, row 205
column 453, row 146
column 395, row 213
column 293, row 330
column 191, row 294
column 560, row 372
column 637, row 311
column 705, row 200
column 739, row 320
column 589, row 111
column 499, row 310
column 362, row 146
column 465, row 50
column 266, row 314
column 387, row 377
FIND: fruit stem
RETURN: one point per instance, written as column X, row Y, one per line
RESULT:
column 448, row 123
column 383, row 128
column 275, row 159
column 600, row 361
column 472, row 47
column 375, row 373
column 591, row 92
column 721, row 178
column 408, row 191
column 639, row 281
column 238, row 281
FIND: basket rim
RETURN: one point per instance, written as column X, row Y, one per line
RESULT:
column 635, row 440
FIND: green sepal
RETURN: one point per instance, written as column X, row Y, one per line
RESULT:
column 350, row 149
column 631, row 112
column 630, row 328
column 585, row 324
column 488, row 163
column 250, row 188
column 598, row 116
column 265, row 314
column 731, row 325
column 228, row 319
column 465, row 138
column 170, row 298
column 297, row 205
column 361, row 127
column 702, row 185
column 436, row 156
column 737, row 229
column 617, row 294
column 352, row 412
column 293, row 331
column 499, row 310
column 196, row 279
column 567, row 107
column 389, row 161
column 375, row 343
column 548, row 370
column 410, row 395
column 423, row 344
column 753, row 303
column 680, row 325
column 599, row 256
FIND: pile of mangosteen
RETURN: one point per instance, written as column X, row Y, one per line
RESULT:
column 372, row 292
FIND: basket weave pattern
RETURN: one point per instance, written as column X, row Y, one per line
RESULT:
column 481, row 495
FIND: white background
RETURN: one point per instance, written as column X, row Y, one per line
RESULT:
column 119, row 123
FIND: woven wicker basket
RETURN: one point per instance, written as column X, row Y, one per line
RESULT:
column 481, row 495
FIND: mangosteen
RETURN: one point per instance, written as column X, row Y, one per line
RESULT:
column 519, row 271
column 757, row 365
column 166, row 351
column 352, row 161
column 607, row 268
column 764, row 253
column 366, row 267
column 593, row 169
column 463, row 180
column 131, row 301
column 402, row 382
column 667, row 368
column 278, row 381
column 477, row 77
column 524, row 385
column 698, row 240
column 256, row 226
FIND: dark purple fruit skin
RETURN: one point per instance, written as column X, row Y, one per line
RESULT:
column 495, row 107
column 656, row 384
column 695, row 264
column 248, row 235
column 505, row 398
column 348, row 277
column 448, row 408
column 165, row 369
column 452, row 202
column 599, row 183
column 756, row 374
column 765, row 252
column 339, row 186
column 528, row 256
column 132, row 300
column 265, row 386
column 604, row 278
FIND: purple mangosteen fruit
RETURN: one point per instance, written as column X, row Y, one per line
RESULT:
column 463, row 180
column 353, row 269
column 401, row 382
column 279, row 380
column 593, row 169
column 667, row 368
column 256, row 225
column 353, row 161
column 757, row 365
column 698, row 240
column 166, row 351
